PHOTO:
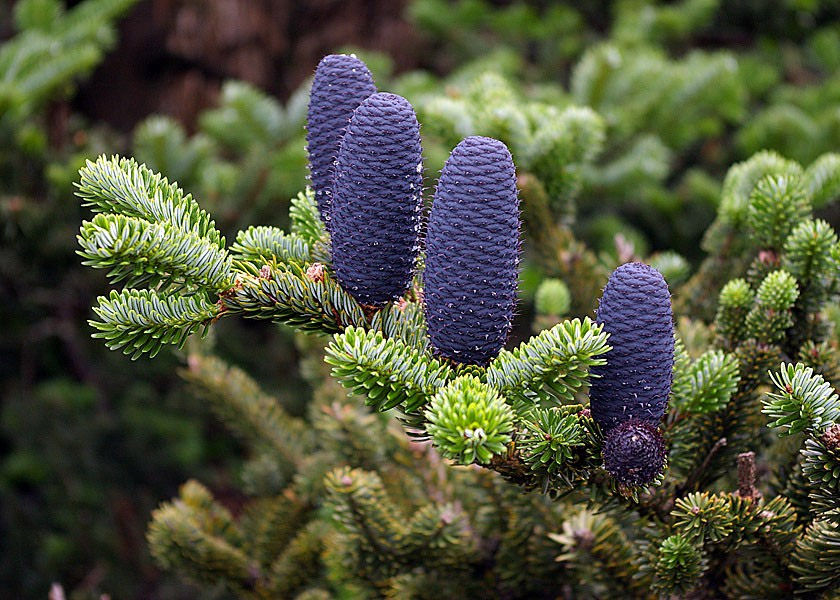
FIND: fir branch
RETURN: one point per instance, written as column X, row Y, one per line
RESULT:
column 405, row 321
column 120, row 185
column 822, row 180
column 261, row 245
column 549, row 438
column 289, row 295
column 439, row 536
column 755, row 575
column 771, row 316
column 469, row 422
column 141, row 321
column 349, row 433
column 82, row 20
column 742, row 178
column 246, row 409
column 777, row 291
column 679, row 566
column 674, row 267
column 368, row 518
column 305, row 218
column 804, row 401
column 270, row 523
column 33, row 72
column 595, row 549
column 143, row 253
column 821, row 467
column 816, row 559
column 385, row 371
column 707, row 442
column 193, row 535
column 586, row 464
column 552, row 298
column 808, row 250
column 682, row 362
column 734, row 304
column 703, row 518
column 731, row 520
column 556, row 361
column 708, row 384
column 52, row 49
column 299, row 563
column 809, row 256
column 245, row 118
column 777, row 204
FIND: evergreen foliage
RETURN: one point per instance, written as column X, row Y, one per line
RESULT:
column 552, row 298
column 707, row 384
column 552, row 301
column 551, row 365
column 85, row 455
column 803, row 401
column 469, row 421
column 246, row 159
column 392, row 372
column 139, row 321
column 775, row 204
column 53, row 48
column 385, row 370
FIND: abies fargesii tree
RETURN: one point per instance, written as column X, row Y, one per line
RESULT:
column 616, row 518
column 381, row 349
column 377, row 200
column 342, row 82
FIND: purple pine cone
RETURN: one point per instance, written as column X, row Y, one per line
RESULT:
column 341, row 84
column 472, row 253
column 634, row 452
column 377, row 200
column 635, row 309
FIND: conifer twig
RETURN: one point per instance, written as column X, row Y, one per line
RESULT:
column 746, row 476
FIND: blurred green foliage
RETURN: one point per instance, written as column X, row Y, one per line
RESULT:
column 684, row 89
column 87, row 448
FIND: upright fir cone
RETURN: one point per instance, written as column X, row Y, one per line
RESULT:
column 629, row 396
column 377, row 200
column 341, row 84
column 472, row 253
column 635, row 309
